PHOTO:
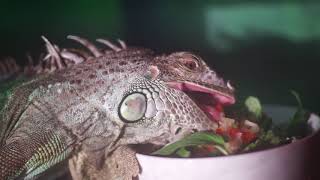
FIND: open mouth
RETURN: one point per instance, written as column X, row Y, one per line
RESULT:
column 209, row 98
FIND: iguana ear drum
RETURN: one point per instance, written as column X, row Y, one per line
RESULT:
column 133, row 107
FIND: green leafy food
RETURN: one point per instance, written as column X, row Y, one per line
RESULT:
column 296, row 95
column 241, row 136
column 221, row 149
column 199, row 138
column 266, row 139
column 265, row 122
column 183, row 152
column 253, row 105
column 297, row 125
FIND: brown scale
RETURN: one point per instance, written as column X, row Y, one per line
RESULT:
column 121, row 63
column 92, row 76
column 105, row 72
column 100, row 66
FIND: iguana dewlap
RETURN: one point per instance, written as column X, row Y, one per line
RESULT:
column 96, row 101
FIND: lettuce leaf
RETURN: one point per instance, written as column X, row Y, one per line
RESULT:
column 195, row 139
column 298, row 126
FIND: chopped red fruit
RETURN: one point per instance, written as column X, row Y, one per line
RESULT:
column 220, row 131
column 234, row 132
column 248, row 136
column 209, row 148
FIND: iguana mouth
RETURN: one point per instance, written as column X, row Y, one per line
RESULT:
column 209, row 98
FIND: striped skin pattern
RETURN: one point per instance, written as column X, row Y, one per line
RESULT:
column 72, row 103
column 33, row 158
column 46, row 155
column 12, row 161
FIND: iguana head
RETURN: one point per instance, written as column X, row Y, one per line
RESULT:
column 176, row 95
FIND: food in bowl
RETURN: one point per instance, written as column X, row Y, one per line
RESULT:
column 243, row 128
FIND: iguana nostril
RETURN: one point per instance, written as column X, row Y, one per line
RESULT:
column 178, row 130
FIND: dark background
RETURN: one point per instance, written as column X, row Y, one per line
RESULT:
column 265, row 47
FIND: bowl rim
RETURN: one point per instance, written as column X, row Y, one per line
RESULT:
column 254, row 153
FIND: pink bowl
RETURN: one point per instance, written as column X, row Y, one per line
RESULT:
column 295, row 161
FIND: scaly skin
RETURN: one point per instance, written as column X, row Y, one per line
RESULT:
column 78, row 104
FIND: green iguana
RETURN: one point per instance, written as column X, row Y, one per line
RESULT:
column 83, row 106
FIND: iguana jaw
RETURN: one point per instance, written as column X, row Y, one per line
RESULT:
column 209, row 98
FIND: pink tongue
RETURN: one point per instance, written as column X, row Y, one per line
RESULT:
column 225, row 100
column 215, row 113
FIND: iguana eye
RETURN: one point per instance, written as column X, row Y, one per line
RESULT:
column 133, row 107
column 190, row 62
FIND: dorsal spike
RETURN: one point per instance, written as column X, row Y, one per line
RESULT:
column 38, row 68
column 95, row 51
column 86, row 55
column 51, row 66
column 53, row 51
column 72, row 56
column 109, row 44
column 29, row 68
column 8, row 67
column 12, row 65
column 122, row 43
column 30, row 60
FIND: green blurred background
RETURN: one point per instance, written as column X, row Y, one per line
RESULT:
column 264, row 47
